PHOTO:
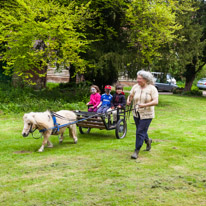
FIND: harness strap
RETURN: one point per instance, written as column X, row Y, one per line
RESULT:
column 32, row 131
column 56, row 125
column 61, row 117
column 74, row 122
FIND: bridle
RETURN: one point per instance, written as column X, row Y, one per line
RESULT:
column 32, row 131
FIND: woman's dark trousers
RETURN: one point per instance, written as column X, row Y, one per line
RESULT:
column 142, row 126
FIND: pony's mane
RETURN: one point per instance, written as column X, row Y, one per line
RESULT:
column 42, row 119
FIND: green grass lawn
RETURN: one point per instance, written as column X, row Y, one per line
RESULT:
column 98, row 170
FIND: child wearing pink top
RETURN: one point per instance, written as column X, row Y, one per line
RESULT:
column 95, row 98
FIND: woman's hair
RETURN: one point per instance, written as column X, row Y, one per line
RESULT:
column 147, row 76
column 96, row 87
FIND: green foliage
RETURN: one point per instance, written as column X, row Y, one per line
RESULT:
column 110, row 53
column 37, row 33
column 191, row 51
column 192, row 32
column 73, row 85
column 17, row 100
column 105, row 71
column 178, row 90
column 132, row 32
column 52, row 85
column 180, row 84
column 201, row 74
column 152, row 24
column 194, row 91
column 185, row 56
column 99, row 38
column 127, row 88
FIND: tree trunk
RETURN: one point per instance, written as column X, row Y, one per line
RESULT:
column 72, row 74
column 188, row 84
column 17, row 81
column 190, row 76
column 40, row 81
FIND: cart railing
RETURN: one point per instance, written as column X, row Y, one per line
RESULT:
column 102, row 121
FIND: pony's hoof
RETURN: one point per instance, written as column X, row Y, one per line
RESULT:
column 50, row 146
column 40, row 150
column 60, row 142
column 75, row 142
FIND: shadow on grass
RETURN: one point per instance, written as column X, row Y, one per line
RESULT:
column 31, row 145
column 102, row 135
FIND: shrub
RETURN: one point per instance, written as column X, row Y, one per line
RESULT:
column 17, row 100
column 193, row 92
column 178, row 91
column 180, row 84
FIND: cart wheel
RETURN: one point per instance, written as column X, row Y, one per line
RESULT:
column 84, row 130
column 121, row 129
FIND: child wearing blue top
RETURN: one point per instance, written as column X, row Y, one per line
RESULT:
column 105, row 102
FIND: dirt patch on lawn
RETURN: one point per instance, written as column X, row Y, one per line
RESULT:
column 160, row 140
column 22, row 152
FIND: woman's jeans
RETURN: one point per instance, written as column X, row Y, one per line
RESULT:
column 142, row 126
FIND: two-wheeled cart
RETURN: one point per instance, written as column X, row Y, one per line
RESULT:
column 89, row 120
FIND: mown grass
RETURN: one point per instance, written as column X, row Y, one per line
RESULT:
column 98, row 170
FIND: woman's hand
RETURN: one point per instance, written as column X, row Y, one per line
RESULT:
column 128, row 102
column 149, row 104
column 129, row 99
column 142, row 105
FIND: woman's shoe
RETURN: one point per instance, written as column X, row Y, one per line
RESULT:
column 135, row 154
column 148, row 148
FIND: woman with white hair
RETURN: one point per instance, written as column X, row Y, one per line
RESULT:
column 145, row 97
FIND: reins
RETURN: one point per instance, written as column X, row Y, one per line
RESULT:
column 30, row 131
column 70, row 123
column 129, row 111
column 57, row 127
column 61, row 117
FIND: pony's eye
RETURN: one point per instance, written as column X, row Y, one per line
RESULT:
column 29, row 124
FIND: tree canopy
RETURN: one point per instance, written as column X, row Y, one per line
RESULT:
column 185, row 55
column 98, row 38
column 37, row 33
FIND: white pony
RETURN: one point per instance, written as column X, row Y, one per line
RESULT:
column 44, row 121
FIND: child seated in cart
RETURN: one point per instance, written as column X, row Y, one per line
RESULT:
column 95, row 98
column 105, row 102
column 118, row 101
